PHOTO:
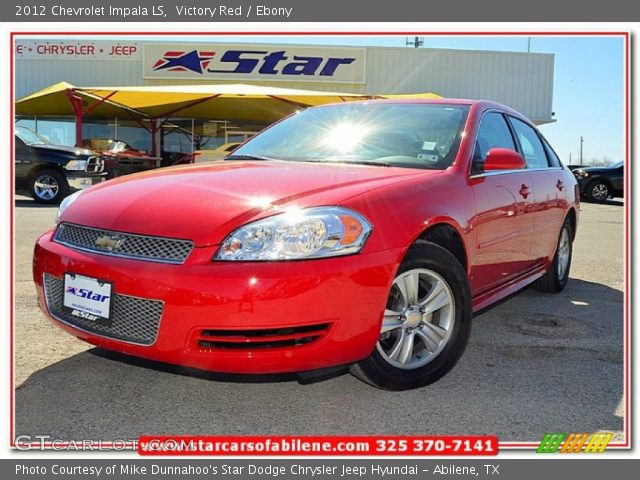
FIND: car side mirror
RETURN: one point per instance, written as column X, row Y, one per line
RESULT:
column 503, row 159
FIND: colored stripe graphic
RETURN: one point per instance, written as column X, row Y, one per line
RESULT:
column 574, row 443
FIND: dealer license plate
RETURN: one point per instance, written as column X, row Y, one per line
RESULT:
column 87, row 297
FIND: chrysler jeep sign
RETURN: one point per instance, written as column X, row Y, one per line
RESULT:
column 239, row 62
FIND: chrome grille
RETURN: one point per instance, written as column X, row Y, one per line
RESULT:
column 94, row 165
column 127, row 245
column 132, row 319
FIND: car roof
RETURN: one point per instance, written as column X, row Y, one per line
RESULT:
column 481, row 104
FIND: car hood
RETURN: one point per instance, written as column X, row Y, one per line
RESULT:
column 75, row 151
column 205, row 203
column 125, row 153
column 594, row 169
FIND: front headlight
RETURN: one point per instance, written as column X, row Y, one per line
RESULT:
column 76, row 165
column 579, row 173
column 65, row 204
column 298, row 234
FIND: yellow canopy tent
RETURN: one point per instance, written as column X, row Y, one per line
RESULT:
column 408, row 96
column 245, row 102
column 233, row 102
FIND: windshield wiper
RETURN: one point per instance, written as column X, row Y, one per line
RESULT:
column 367, row 162
column 248, row 157
column 310, row 160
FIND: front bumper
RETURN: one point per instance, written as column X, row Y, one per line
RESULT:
column 582, row 183
column 81, row 180
column 343, row 297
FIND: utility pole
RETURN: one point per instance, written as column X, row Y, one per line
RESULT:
column 416, row 42
column 569, row 158
column 581, row 142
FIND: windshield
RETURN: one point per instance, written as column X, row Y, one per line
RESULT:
column 617, row 165
column 392, row 134
column 30, row 137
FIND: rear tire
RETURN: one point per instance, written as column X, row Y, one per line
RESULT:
column 48, row 186
column 557, row 276
column 425, row 329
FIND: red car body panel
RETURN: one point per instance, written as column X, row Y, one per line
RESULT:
column 509, row 225
column 240, row 296
column 160, row 203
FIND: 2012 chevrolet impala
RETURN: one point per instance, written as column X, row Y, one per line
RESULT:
column 363, row 233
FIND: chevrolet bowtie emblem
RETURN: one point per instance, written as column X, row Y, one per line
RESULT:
column 109, row 242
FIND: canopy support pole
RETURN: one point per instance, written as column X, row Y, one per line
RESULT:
column 100, row 102
column 76, row 104
column 290, row 102
column 153, row 130
column 192, row 104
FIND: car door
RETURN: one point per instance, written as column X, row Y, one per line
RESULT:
column 549, row 190
column 23, row 161
column 617, row 179
column 503, row 223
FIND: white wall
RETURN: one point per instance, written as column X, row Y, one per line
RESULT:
column 523, row 81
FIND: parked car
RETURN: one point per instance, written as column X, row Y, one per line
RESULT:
column 598, row 184
column 50, row 172
column 204, row 155
column 363, row 234
column 572, row 167
column 121, row 158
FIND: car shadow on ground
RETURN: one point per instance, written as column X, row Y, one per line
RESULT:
column 29, row 203
column 302, row 378
column 618, row 202
column 536, row 364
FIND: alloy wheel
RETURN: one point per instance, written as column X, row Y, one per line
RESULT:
column 46, row 187
column 600, row 192
column 418, row 320
column 564, row 253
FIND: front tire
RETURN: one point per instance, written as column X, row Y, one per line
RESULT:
column 557, row 276
column 48, row 186
column 598, row 191
column 426, row 324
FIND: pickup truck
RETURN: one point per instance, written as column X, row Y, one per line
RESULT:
column 51, row 172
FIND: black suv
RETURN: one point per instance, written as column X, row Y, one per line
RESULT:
column 597, row 184
column 50, row 172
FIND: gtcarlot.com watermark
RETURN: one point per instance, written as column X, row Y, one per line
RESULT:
column 48, row 442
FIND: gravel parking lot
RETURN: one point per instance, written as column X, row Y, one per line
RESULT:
column 536, row 363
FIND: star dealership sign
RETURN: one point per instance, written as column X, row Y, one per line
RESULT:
column 255, row 62
column 180, row 61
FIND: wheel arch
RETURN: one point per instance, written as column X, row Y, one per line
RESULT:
column 573, row 220
column 449, row 236
column 44, row 166
column 602, row 179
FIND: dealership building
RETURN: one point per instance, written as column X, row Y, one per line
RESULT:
column 521, row 80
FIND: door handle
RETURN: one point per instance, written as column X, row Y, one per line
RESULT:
column 560, row 185
column 524, row 191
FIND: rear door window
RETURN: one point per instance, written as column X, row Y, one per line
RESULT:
column 532, row 148
column 554, row 161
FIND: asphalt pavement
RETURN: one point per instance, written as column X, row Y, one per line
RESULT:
column 536, row 363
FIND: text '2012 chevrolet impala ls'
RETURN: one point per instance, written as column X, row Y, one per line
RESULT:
column 363, row 233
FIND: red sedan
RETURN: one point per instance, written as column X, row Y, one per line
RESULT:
column 360, row 233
